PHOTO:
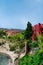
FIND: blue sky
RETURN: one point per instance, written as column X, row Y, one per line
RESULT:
column 16, row 13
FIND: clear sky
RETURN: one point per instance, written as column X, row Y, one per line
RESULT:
column 16, row 13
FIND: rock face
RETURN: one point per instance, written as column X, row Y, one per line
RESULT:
column 38, row 28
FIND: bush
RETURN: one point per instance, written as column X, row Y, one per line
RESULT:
column 21, row 45
column 36, row 59
column 34, row 44
column 40, row 41
column 12, row 47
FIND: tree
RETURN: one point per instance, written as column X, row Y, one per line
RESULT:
column 2, row 33
column 28, row 35
column 28, row 31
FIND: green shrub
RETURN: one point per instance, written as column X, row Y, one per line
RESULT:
column 36, row 59
column 40, row 41
column 12, row 47
column 33, row 44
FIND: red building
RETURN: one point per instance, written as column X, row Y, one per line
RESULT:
column 38, row 28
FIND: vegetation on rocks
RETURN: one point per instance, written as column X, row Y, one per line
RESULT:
column 17, row 43
column 37, row 58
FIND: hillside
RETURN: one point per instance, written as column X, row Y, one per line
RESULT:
column 11, row 31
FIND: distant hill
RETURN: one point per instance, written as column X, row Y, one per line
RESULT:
column 11, row 31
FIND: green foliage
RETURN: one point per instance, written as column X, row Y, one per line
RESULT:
column 17, row 40
column 2, row 33
column 21, row 44
column 11, row 38
column 17, row 37
column 27, row 35
column 34, row 44
column 36, row 59
column 40, row 41
column 13, row 46
column 28, row 31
